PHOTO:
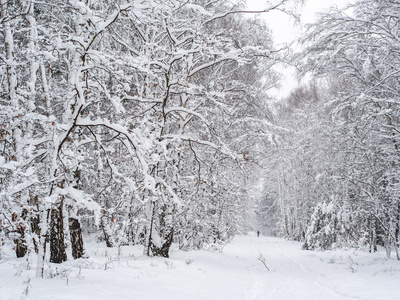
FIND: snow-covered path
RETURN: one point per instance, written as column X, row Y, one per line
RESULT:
column 236, row 273
column 298, row 274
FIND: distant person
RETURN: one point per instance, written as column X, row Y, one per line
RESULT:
column 258, row 233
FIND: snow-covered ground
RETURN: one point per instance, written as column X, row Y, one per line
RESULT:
column 235, row 273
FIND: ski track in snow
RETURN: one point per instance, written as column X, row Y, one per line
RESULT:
column 234, row 273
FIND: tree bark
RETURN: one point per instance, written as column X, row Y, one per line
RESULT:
column 35, row 224
column 163, row 250
column 76, row 238
column 57, row 245
column 20, row 243
column 166, row 232
column 9, row 52
column 107, row 237
column 44, row 217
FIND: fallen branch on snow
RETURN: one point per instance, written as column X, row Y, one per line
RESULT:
column 262, row 259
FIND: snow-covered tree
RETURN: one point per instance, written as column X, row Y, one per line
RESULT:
column 141, row 118
column 341, row 151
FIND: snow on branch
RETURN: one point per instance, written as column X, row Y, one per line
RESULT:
column 188, row 111
column 222, row 149
column 268, row 9
column 82, row 200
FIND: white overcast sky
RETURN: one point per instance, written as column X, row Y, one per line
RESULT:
column 284, row 29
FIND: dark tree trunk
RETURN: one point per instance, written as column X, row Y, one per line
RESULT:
column 75, row 226
column 163, row 251
column 164, row 224
column 107, row 237
column 35, row 221
column 20, row 243
column 76, row 238
column 57, row 246
column 149, row 242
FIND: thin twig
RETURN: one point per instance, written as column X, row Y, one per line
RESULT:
column 262, row 259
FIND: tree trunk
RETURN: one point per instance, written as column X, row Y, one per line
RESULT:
column 35, row 224
column 149, row 239
column 372, row 235
column 388, row 246
column 20, row 243
column 107, row 237
column 163, row 250
column 165, row 229
column 76, row 238
column 57, row 246
column 42, row 243
column 9, row 52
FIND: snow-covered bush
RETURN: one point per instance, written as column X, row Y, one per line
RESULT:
column 322, row 231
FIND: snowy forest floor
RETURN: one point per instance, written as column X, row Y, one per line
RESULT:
column 236, row 272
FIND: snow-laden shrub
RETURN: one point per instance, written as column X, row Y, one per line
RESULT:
column 322, row 231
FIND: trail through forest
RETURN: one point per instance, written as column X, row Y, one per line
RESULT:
column 234, row 272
